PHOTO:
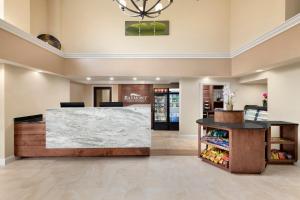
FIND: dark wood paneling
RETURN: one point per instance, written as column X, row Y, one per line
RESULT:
column 145, row 91
column 30, row 141
column 35, row 151
column 247, row 151
column 229, row 117
column 30, row 128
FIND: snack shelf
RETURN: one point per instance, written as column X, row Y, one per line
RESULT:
column 215, row 164
column 214, row 145
column 272, row 161
column 278, row 140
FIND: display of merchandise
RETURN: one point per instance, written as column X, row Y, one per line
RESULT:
column 161, row 109
column 280, row 155
column 218, row 133
column 217, row 140
column 174, row 108
column 217, row 156
column 166, row 109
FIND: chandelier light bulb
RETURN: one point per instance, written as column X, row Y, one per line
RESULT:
column 159, row 7
column 123, row 4
column 143, row 8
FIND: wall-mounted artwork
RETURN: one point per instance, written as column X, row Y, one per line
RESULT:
column 147, row 28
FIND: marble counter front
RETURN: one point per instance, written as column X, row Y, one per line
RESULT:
column 126, row 127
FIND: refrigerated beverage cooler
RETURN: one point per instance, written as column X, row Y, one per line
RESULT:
column 166, row 109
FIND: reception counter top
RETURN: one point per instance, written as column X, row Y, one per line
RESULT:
column 98, row 127
column 88, row 132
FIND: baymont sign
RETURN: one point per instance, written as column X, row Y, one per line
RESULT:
column 135, row 98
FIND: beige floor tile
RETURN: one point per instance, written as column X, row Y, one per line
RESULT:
column 154, row 178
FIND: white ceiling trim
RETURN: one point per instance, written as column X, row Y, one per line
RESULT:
column 290, row 23
column 145, row 56
column 28, row 37
column 69, row 55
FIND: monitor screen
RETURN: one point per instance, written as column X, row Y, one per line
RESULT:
column 111, row 104
column 72, row 104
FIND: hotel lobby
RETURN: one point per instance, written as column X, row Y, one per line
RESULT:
column 149, row 99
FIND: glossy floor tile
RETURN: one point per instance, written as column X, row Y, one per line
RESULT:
column 153, row 178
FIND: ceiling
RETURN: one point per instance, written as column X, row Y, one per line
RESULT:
column 125, row 80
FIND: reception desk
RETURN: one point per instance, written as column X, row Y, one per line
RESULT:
column 86, row 132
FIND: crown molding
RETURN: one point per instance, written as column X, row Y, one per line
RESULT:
column 69, row 55
column 145, row 56
column 290, row 23
column 28, row 37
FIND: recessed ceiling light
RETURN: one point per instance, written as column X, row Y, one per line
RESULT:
column 111, row 78
column 157, row 78
column 88, row 78
column 259, row 70
column 134, row 78
column 38, row 72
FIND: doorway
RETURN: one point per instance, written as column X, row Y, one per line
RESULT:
column 213, row 98
column 102, row 94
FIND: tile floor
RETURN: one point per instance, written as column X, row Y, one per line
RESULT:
column 148, row 178
column 153, row 178
column 172, row 143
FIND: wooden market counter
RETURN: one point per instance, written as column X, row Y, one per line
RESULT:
column 248, row 144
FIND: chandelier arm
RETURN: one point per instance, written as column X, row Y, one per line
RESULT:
column 134, row 4
column 153, row 6
column 127, row 8
column 144, row 6
column 150, row 13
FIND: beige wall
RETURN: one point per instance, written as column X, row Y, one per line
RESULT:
column 190, row 106
column 292, row 8
column 98, row 26
column 54, row 18
column 283, row 84
column 1, row 9
column 252, row 18
column 29, row 93
column 2, row 116
column 279, row 51
column 191, row 99
column 17, row 12
column 85, row 93
column 147, row 67
column 248, row 94
column 38, row 17
column 81, row 93
column 45, row 17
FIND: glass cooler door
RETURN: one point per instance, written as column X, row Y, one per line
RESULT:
column 161, row 108
column 174, row 108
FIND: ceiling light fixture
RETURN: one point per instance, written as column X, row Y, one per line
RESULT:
column 88, row 78
column 143, row 8
column 259, row 70
column 157, row 78
column 134, row 78
column 111, row 78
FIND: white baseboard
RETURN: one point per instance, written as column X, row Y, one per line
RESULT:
column 7, row 160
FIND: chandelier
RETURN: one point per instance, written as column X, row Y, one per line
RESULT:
column 143, row 8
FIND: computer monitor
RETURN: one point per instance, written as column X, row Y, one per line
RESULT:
column 111, row 104
column 72, row 104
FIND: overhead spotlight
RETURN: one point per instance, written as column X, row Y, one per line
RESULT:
column 37, row 72
column 111, row 78
column 259, row 71
column 88, row 78
column 157, row 78
column 134, row 78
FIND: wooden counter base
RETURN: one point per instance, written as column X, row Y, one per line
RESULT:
column 30, row 141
